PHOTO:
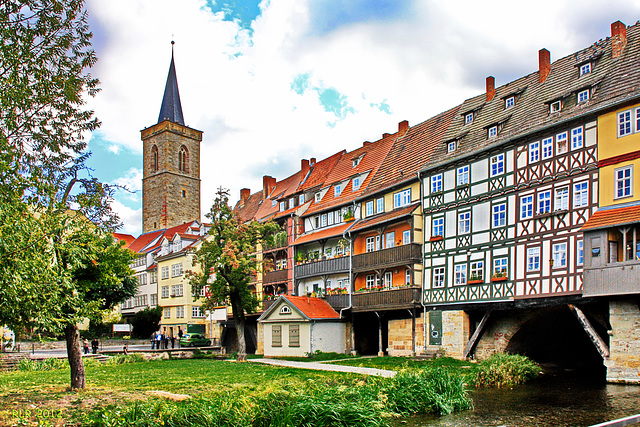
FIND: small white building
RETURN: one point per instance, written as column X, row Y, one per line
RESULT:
column 297, row 326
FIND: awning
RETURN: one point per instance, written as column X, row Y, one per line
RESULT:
column 323, row 234
column 386, row 217
column 605, row 218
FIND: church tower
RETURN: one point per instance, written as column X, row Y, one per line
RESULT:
column 171, row 157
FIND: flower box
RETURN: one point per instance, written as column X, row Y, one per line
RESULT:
column 435, row 238
column 499, row 279
column 474, row 282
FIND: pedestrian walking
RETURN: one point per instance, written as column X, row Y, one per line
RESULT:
column 166, row 341
column 125, row 350
column 173, row 341
column 94, row 345
column 85, row 346
column 158, row 340
column 179, row 336
column 153, row 340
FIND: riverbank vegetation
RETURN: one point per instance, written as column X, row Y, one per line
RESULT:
column 505, row 370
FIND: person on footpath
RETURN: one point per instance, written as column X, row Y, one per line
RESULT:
column 179, row 337
column 85, row 346
column 173, row 341
column 153, row 340
column 94, row 345
column 125, row 350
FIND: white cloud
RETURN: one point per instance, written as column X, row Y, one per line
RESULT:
column 131, row 218
column 254, row 124
column 114, row 148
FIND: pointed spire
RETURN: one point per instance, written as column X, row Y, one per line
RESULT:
column 171, row 108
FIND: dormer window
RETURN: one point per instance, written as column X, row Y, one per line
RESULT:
column 338, row 190
column 583, row 96
column 492, row 132
column 556, row 106
column 356, row 161
column 274, row 203
column 282, row 207
column 451, row 147
column 509, row 102
column 468, row 118
column 292, row 202
column 301, row 199
column 585, row 68
column 356, row 183
column 317, row 197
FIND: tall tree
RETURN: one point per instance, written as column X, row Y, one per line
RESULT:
column 47, row 251
column 228, row 260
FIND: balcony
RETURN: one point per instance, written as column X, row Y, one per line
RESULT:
column 619, row 278
column 279, row 242
column 338, row 302
column 277, row 276
column 388, row 258
column 328, row 266
column 387, row 299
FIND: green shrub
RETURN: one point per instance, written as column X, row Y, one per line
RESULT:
column 119, row 359
column 42, row 365
column 505, row 370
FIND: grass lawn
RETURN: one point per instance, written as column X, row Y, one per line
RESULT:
column 43, row 391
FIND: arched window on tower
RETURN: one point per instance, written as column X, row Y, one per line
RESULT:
column 183, row 159
column 154, row 158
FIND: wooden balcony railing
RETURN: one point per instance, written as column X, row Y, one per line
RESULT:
column 387, row 299
column 338, row 302
column 277, row 276
column 387, row 258
column 335, row 265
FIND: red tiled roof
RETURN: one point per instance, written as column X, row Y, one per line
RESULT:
column 322, row 234
column 389, row 216
column 126, row 238
column 320, row 171
column 313, row 308
column 144, row 240
column 248, row 210
column 613, row 217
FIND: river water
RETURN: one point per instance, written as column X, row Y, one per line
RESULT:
column 566, row 400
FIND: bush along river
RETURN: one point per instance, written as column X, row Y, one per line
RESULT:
column 565, row 399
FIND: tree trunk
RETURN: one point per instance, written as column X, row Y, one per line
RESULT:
column 238, row 317
column 72, row 336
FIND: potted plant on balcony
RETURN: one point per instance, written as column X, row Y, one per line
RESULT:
column 499, row 276
column 348, row 216
column 301, row 257
column 474, row 279
column 343, row 246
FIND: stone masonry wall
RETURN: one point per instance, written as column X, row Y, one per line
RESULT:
column 455, row 333
column 623, row 365
column 399, row 338
column 260, row 338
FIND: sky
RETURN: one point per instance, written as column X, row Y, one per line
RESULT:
column 273, row 82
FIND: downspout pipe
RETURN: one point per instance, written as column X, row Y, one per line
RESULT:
column 424, row 277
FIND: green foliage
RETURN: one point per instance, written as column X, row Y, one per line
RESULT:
column 42, row 365
column 146, row 321
column 120, row 359
column 505, row 370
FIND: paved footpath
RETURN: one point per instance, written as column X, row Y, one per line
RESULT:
column 326, row 367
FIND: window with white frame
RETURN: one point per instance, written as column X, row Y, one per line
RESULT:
column 368, row 208
column 585, row 68
column 337, row 190
column 167, row 313
column 499, row 215
column 402, row 198
column 176, row 270
column 164, row 292
column 555, row 106
column 451, row 146
column 406, row 237
column 370, row 243
column 526, row 207
column 561, row 202
column 379, row 205
column 583, row 95
column 370, row 281
column 196, row 312
column 462, row 175
column 580, row 252
column 576, row 138
column 337, row 217
column 180, row 312
column 276, row 336
column 561, row 143
column 330, row 218
column 476, row 270
column 534, row 152
column 317, row 197
column 436, row 183
column 177, row 290
column 509, row 102
column 497, row 164
column 282, row 207
column 357, row 181
column 581, row 194
column 559, row 255
column 407, row 276
column 274, row 203
column 547, row 148
column 389, row 240
column 301, row 199
column 624, row 123
column 154, row 277
column 438, row 277
column 533, row 259
column 623, row 179
column 500, row 265
column 468, row 118
column 164, row 271
column 323, row 220
column 438, row 227
column 464, row 222
column 460, row 274
column 153, row 300
column 544, row 202
column 388, row 278
column 492, row 132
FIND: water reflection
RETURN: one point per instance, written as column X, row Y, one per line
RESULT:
column 567, row 400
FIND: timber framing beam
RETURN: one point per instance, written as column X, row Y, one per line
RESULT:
column 599, row 343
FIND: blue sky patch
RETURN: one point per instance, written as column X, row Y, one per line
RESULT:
column 329, row 15
column 383, row 106
column 334, row 102
column 300, row 83
column 242, row 12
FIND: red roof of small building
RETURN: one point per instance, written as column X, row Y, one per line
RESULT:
column 126, row 238
column 313, row 308
column 605, row 218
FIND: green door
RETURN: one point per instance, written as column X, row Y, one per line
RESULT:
column 435, row 327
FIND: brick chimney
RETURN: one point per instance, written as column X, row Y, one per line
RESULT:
column 618, row 38
column 544, row 59
column 491, row 88
column 312, row 161
column 244, row 195
column 385, row 135
column 304, row 167
column 268, row 183
column 403, row 127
